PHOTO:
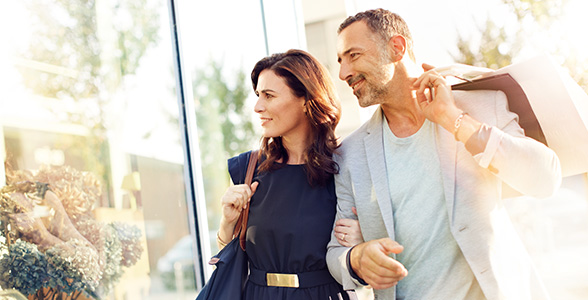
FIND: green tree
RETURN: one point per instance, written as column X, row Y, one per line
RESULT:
column 91, row 45
column 225, row 128
column 490, row 53
column 76, row 35
column 498, row 46
column 495, row 46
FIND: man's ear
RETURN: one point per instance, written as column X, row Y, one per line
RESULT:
column 397, row 47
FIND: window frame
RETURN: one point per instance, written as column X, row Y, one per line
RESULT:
column 194, row 188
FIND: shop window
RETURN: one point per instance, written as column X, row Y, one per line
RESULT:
column 93, row 191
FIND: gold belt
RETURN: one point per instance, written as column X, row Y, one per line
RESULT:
column 282, row 280
column 290, row 280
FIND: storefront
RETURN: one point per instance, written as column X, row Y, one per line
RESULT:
column 116, row 120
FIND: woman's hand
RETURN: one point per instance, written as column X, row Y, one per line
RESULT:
column 348, row 232
column 235, row 200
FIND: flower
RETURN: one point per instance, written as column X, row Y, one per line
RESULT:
column 23, row 268
column 64, row 251
column 129, row 237
column 74, row 266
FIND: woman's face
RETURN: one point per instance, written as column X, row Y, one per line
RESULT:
column 281, row 112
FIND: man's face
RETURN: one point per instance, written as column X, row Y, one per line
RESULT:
column 364, row 64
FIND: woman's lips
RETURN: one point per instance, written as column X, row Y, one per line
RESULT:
column 264, row 121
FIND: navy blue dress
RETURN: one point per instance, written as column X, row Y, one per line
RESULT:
column 289, row 226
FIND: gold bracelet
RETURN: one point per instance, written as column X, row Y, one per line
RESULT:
column 457, row 124
column 220, row 242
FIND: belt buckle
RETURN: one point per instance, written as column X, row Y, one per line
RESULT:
column 282, row 280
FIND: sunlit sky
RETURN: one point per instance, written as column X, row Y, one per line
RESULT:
column 434, row 24
column 209, row 29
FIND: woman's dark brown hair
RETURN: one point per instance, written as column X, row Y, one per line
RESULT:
column 307, row 78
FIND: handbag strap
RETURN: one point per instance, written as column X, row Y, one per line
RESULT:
column 241, row 227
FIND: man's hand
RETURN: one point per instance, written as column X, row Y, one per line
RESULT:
column 439, row 106
column 371, row 262
column 434, row 97
column 427, row 67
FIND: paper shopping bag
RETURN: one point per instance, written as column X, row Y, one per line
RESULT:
column 552, row 107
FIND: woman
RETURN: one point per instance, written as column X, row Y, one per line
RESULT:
column 292, row 200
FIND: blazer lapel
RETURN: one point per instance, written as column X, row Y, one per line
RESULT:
column 374, row 149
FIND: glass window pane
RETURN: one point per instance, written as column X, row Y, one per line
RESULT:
column 218, row 62
column 220, row 47
column 95, row 188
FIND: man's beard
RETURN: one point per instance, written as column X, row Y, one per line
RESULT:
column 370, row 94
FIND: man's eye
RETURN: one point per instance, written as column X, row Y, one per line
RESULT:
column 354, row 55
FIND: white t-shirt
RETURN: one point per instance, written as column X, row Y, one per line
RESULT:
column 436, row 266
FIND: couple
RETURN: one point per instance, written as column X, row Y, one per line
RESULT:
column 422, row 178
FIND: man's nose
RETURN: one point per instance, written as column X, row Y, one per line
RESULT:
column 344, row 71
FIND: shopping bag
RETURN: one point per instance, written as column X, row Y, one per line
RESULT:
column 552, row 107
column 232, row 269
column 228, row 279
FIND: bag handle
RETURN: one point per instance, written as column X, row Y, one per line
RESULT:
column 241, row 227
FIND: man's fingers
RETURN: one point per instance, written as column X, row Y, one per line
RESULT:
column 372, row 262
column 378, row 268
column 391, row 246
column 383, row 264
column 427, row 67
column 382, row 274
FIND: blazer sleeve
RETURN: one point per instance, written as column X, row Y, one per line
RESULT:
column 336, row 253
column 523, row 163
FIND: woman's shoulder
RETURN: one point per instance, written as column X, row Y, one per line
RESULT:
column 238, row 167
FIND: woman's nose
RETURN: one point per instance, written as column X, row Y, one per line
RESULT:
column 259, row 107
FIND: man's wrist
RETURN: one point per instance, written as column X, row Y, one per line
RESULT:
column 457, row 124
column 448, row 117
column 351, row 271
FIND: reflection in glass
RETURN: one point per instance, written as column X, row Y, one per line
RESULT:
column 55, row 242
column 93, row 199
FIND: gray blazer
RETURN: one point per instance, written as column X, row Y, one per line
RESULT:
column 472, row 184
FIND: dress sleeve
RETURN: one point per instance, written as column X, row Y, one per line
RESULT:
column 238, row 167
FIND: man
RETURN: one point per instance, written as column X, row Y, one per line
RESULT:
column 425, row 175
